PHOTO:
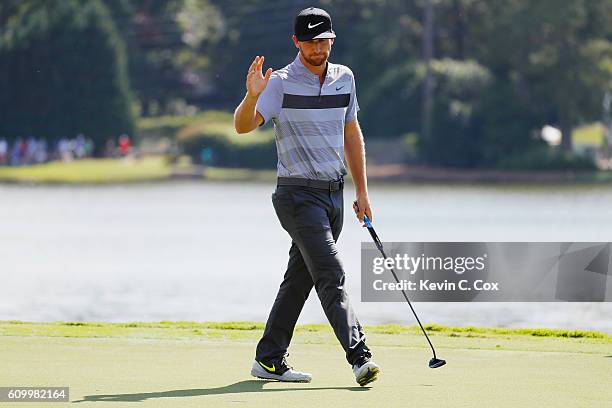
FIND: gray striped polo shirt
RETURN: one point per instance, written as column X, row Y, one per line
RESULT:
column 309, row 119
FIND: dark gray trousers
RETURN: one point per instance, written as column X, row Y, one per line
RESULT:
column 313, row 218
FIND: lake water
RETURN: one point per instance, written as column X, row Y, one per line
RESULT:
column 215, row 251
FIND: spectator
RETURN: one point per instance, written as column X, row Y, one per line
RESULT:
column 41, row 154
column 30, row 152
column 15, row 153
column 89, row 147
column 124, row 145
column 64, row 147
column 79, row 147
column 3, row 151
column 23, row 151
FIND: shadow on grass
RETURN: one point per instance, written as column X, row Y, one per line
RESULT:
column 236, row 388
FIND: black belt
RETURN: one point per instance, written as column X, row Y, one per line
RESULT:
column 331, row 185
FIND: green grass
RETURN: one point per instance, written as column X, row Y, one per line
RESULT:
column 209, row 123
column 89, row 171
column 390, row 334
column 104, row 171
column 196, row 364
column 66, row 328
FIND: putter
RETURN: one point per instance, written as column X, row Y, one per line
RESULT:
column 434, row 362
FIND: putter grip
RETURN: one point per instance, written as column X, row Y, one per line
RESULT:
column 366, row 219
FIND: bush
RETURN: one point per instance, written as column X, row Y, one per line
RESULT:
column 215, row 131
column 455, row 139
column 547, row 158
column 152, row 128
column 392, row 105
column 261, row 155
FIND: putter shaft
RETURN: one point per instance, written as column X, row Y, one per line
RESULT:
column 379, row 245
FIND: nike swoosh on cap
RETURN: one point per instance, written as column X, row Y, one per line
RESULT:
column 313, row 26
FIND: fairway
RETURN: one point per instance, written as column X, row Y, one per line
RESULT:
column 200, row 365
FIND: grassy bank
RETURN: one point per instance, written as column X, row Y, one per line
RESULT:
column 387, row 335
column 256, row 150
column 108, row 171
column 193, row 364
column 90, row 171
column 191, row 328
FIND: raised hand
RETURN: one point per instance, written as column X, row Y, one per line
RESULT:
column 256, row 82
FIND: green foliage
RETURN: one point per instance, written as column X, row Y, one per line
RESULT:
column 547, row 158
column 227, row 154
column 167, row 42
column 63, row 71
column 502, row 123
column 528, row 50
column 456, row 135
column 502, row 68
column 557, row 55
column 164, row 126
column 215, row 130
column 391, row 105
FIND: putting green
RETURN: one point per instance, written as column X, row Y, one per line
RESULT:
column 207, row 365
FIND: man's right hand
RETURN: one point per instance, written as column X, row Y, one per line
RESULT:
column 256, row 82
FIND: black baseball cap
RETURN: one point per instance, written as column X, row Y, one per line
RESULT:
column 313, row 23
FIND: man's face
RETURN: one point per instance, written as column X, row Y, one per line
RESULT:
column 315, row 52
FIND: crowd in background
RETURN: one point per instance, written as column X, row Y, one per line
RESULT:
column 31, row 150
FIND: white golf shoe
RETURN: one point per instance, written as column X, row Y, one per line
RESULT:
column 366, row 371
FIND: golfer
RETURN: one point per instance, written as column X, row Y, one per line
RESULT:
column 313, row 105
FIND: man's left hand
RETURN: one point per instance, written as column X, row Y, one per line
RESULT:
column 361, row 207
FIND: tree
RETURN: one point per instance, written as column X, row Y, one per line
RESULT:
column 557, row 55
column 168, row 43
column 62, row 71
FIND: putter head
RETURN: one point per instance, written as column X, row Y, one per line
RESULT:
column 436, row 362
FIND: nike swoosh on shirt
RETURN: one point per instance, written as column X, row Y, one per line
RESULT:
column 337, row 89
column 313, row 26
